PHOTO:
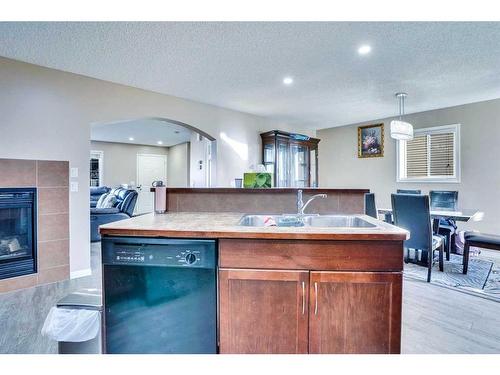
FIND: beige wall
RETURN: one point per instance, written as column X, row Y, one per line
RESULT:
column 178, row 165
column 46, row 114
column 480, row 160
column 120, row 161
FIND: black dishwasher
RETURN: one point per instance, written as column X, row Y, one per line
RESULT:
column 159, row 295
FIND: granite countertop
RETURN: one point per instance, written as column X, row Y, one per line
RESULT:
column 225, row 225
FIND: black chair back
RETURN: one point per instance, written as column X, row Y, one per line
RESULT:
column 442, row 199
column 412, row 212
column 370, row 208
column 403, row 191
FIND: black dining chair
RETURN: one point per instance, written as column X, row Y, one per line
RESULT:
column 403, row 191
column 370, row 207
column 388, row 216
column 412, row 212
column 445, row 200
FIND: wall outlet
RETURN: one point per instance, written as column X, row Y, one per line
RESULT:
column 73, row 172
column 73, row 186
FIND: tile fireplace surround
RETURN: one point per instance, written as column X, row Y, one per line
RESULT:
column 51, row 178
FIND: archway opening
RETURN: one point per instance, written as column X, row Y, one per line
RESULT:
column 134, row 153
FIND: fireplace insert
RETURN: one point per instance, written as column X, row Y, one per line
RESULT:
column 17, row 232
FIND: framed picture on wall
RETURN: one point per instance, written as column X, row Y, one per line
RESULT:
column 371, row 141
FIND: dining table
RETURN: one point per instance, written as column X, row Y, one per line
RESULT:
column 437, row 213
column 457, row 214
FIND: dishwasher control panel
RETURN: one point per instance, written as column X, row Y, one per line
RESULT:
column 175, row 253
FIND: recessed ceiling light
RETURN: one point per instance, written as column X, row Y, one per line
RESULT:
column 364, row 49
column 287, row 81
column 130, row 138
column 160, row 142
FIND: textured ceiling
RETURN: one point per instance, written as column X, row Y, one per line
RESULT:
column 241, row 65
column 144, row 132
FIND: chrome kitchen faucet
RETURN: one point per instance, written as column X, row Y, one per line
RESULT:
column 300, row 203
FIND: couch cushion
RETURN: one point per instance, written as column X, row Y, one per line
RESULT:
column 101, row 199
column 115, row 191
column 103, row 211
column 121, row 194
column 106, row 201
column 109, row 202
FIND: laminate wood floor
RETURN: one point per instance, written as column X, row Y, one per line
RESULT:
column 442, row 320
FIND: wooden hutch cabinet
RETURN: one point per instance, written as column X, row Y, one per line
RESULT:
column 292, row 158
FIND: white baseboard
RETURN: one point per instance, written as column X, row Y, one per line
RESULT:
column 80, row 273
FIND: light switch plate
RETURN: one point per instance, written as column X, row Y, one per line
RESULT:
column 74, row 186
column 73, row 172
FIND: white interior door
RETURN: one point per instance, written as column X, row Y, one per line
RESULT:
column 150, row 168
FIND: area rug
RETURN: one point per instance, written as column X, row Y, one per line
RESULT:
column 482, row 279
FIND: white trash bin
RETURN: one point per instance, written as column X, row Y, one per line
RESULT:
column 76, row 323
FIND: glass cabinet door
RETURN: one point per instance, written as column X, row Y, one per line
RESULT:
column 269, row 157
column 299, row 165
column 282, row 178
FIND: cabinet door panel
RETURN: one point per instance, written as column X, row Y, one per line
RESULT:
column 263, row 311
column 355, row 312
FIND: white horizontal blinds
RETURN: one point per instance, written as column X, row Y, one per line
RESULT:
column 417, row 157
column 431, row 155
column 442, row 154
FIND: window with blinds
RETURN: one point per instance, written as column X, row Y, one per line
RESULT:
column 432, row 155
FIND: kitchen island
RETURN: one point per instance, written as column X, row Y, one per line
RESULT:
column 295, row 289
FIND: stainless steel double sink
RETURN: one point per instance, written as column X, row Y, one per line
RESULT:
column 325, row 221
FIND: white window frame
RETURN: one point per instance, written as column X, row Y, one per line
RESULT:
column 401, row 156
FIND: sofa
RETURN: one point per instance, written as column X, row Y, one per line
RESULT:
column 123, row 209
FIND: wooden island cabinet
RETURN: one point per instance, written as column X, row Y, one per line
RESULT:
column 295, row 289
column 304, row 297
column 355, row 312
column 263, row 311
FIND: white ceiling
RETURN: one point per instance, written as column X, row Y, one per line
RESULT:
column 144, row 132
column 241, row 65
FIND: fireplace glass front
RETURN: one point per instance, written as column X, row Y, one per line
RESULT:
column 17, row 232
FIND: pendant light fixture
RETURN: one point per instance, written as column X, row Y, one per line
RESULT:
column 401, row 130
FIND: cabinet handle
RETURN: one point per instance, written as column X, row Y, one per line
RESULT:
column 316, row 298
column 303, row 297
